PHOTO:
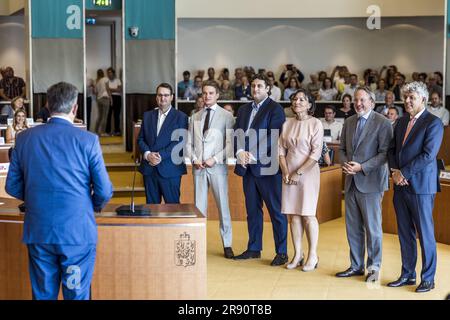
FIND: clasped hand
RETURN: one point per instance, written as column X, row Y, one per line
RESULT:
column 398, row 178
column 351, row 168
column 154, row 158
column 245, row 158
column 206, row 164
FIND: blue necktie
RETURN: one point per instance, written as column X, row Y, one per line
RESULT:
column 252, row 115
column 359, row 129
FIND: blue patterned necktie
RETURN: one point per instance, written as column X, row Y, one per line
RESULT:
column 359, row 129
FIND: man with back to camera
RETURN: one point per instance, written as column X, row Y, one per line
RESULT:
column 258, row 121
column 209, row 147
column 365, row 141
column 162, row 173
column 58, row 171
column 412, row 159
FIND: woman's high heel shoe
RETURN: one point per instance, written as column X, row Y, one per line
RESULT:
column 310, row 267
column 292, row 265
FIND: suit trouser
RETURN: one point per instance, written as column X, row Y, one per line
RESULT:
column 219, row 186
column 267, row 189
column 415, row 212
column 363, row 223
column 115, row 108
column 50, row 265
column 157, row 186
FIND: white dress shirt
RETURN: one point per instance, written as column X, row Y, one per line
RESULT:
column 441, row 113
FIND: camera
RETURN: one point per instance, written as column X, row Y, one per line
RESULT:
column 134, row 32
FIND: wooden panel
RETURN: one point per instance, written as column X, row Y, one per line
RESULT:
column 444, row 152
column 440, row 214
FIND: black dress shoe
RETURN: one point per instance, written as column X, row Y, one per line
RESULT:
column 228, row 253
column 279, row 260
column 350, row 273
column 425, row 286
column 248, row 255
column 400, row 282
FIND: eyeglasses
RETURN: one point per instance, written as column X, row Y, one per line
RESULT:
column 159, row 95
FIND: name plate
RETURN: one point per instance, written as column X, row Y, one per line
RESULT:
column 4, row 168
column 445, row 175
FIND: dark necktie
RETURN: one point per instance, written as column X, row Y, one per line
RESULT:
column 359, row 129
column 206, row 124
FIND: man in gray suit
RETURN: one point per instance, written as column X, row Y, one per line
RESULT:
column 209, row 146
column 365, row 141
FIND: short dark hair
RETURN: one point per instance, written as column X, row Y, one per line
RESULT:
column 394, row 108
column 210, row 83
column 347, row 96
column 323, row 83
column 61, row 97
column 436, row 92
column 330, row 106
column 111, row 69
column 165, row 85
column 186, row 73
column 262, row 77
column 308, row 96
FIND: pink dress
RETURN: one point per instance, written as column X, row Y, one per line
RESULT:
column 299, row 141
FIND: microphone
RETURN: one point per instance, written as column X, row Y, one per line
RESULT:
column 132, row 210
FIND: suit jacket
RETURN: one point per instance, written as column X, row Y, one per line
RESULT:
column 416, row 159
column 58, row 171
column 148, row 140
column 370, row 152
column 216, row 143
column 270, row 116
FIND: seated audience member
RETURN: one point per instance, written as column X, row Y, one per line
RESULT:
column 398, row 84
column 293, row 86
column 11, row 86
column 314, row 86
column 243, row 92
column 322, row 76
column 19, row 124
column 346, row 110
column 415, row 76
column 392, row 115
column 327, row 92
column 201, row 74
column 423, row 77
column 193, row 92
column 351, row 87
column 433, row 85
column 371, row 77
column 438, row 75
column 212, row 75
column 238, row 74
column 380, row 93
column 329, row 122
column 438, row 109
column 43, row 115
column 229, row 108
column 291, row 71
column 199, row 105
column 183, row 85
column 224, row 75
column 10, row 109
column 389, row 102
column 226, row 93
column 275, row 91
column 338, row 77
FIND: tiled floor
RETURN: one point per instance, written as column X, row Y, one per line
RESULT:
column 256, row 279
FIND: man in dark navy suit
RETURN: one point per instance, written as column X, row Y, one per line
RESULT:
column 58, row 171
column 412, row 159
column 257, row 129
column 161, row 140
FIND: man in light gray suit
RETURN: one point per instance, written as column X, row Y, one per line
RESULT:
column 209, row 146
column 365, row 141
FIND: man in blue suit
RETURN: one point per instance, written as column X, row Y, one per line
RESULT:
column 257, row 129
column 161, row 140
column 412, row 159
column 58, row 171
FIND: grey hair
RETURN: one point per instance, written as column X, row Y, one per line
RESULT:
column 61, row 97
column 417, row 87
column 366, row 90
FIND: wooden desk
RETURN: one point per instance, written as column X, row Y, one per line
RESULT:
column 440, row 213
column 444, row 151
column 137, row 258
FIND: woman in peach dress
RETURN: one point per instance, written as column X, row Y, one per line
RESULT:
column 300, row 147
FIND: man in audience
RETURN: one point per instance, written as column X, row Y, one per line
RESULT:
column 392, row 115
column 363, row 154
column 11, row 86
column 275, row 91
column 351, row 87
column 183, row 85
column 399, row 81
column 436, row 108
column 212, row 75
column 209, row 146
column 433, row 85
column 194, row 91
column 415, row 174
column 58, row 171
column 161, row 169
column 330, row 122
column 389, row 100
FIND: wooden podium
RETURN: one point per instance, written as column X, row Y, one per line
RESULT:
column 157, row 257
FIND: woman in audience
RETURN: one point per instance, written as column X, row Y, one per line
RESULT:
column 103, row 102
column 300, row 148
column 294, row 85
column 346, row 110
column 439, row 77
column 226, row 93
column 199, row 105
column 380, row 93
column 10, row 109
column 19, row 124
column 243, row 91
column 327, row 92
